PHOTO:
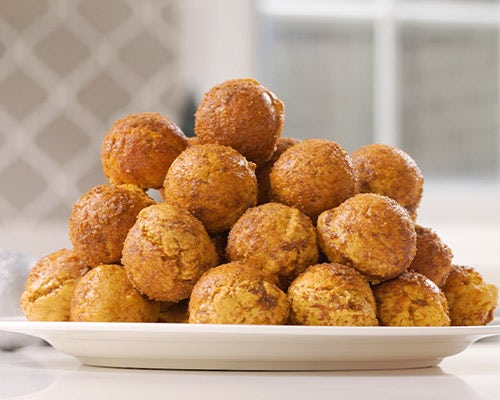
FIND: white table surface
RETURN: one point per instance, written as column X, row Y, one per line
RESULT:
column 40, row 372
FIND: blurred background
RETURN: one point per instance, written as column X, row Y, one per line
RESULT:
column 421, row 75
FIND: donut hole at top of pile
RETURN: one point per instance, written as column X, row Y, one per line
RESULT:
column 252, row 228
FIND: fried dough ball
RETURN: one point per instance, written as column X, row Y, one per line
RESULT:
column 243, row 114
column 193, row 140
column 471, row 300
column 314, row 175
column 100, row 220
column 174, row 312
column 279, row 239
column 262, row 172
column 139, row 149
column 370, row 232
column 166, row 251
column 433, row 257
column 331, row 294
column 213, row 182
column 389, row 171
column 105, row 294
column 50, row 285
column 411, row 299
column 236, row 293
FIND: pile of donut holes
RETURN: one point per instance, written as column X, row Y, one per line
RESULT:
column 251, row 227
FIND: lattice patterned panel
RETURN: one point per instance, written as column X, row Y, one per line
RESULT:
column 68, row 69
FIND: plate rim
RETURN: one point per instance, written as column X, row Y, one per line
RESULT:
column 23, row 325
column 239, row 347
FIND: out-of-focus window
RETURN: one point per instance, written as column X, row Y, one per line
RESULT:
column 422, row 75
column 323, row 73
column 449, row 98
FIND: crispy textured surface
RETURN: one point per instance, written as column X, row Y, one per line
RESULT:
column 331, row 294
column 166, row 251
column 242, row 114
column 411, row 299
column 264, row 170
column 193, row 140
column 370, row 232
column 471, row 300
column 391, row 172
column 50, row 285
column 235, row 293
column 215, row 183
column 105, row 294
column 139, row 149
column 433, row 257
column 314, row 175
column 100, row 220
column 278, row 239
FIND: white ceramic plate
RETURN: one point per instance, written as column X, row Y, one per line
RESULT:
column 246, row 347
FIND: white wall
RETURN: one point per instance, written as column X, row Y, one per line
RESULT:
column 218, row 42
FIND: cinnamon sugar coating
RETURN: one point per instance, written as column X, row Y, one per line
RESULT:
column 139, row 148
column 331, row 294
column 166, row 251
column 433, row 257
column 314, row 175
column 100, row 220
column 242, row 114
column 389, row 171
column 264, row 170
column 213, row 182
column 236, row 293
column 50, row 285
column 370, row 232
column 105, row 294
column 411, row 299
column 278, row 239
column 471, row 300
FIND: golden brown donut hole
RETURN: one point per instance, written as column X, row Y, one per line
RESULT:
column 105, row 294
column 235, row 293
column 242, row 114
column 50, row 285
column 471, row 301
column 411, row 299
column 278, row 239
column 331, row 294
column 166, row 251
column 389, row 171
column 139, row 148
column 370, row 232
column 213, row 182
column 314, row 175
column 101, row 219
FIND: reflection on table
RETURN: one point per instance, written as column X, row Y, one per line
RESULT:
column 40, row 372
